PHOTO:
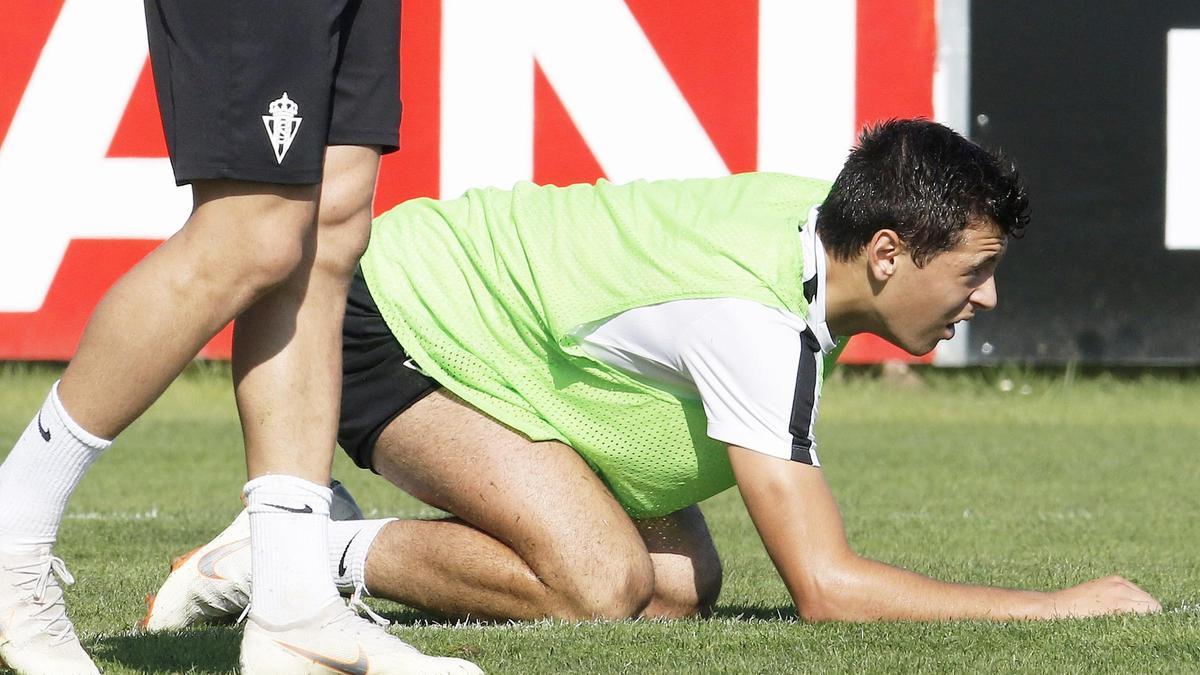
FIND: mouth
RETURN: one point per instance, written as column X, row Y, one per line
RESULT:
column 949, row 330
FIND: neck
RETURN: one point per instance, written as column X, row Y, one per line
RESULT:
column 848, row 306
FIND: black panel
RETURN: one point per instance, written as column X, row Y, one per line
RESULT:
column 1075, row 92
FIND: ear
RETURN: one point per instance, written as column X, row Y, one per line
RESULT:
column 882, row 253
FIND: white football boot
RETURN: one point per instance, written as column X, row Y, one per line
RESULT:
column 35, row 634
column 338, row 641
column 208, row 585
column 211, row 584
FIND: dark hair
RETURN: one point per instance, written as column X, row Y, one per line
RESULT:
column 924, row 181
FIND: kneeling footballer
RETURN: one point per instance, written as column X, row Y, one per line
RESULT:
column 569, row 371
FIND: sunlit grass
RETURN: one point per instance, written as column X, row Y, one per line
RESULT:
column 1009, row 477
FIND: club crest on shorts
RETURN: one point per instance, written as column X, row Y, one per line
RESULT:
column 282, row 124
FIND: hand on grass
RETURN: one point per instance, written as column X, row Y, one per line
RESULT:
column 1108, row 595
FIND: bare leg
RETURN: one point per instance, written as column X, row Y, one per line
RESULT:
column 451, row 568
column 286, row 372
column 537, row 534
column 687, row 571
column 241, row 240
column 287, row 346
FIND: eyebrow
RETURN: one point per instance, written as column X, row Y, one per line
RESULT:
column 994, row 256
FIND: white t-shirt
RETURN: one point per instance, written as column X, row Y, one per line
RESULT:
column 753, row 367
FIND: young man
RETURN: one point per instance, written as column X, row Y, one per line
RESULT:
column 569, row 371
column 275, row 113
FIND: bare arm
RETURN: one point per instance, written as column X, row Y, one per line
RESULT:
column 800, row 525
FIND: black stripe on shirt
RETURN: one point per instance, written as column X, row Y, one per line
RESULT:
column 804, row 401
column 810, row 289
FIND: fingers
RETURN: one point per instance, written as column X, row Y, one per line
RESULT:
column 1107, row 595
column 1130, row 597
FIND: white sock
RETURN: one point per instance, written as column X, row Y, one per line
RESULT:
column 349, row 543
column 289, row 558
column 41, row 472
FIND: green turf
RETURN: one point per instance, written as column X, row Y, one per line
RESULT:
column 1054, row 481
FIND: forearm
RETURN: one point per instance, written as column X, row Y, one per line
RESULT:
column 858, row 589
column 801, row 528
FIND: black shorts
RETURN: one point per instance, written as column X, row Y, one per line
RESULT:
column 379, row 380
column 255, row 90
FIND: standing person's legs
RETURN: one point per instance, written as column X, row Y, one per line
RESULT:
column 287, row 369
column 141, row 335
column 287, row 376
column 241, row 241
column 252, row 227
column 287, row 356
column 287, row 364
column 214, row 64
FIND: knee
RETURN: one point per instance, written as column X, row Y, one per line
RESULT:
column 276, row 260
column 615, row 593
column 343, row 229
column 691, row 590
column 249, row 250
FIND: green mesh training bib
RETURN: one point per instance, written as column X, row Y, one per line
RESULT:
column 485, row 290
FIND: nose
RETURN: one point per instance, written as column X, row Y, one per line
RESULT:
column 983, row 298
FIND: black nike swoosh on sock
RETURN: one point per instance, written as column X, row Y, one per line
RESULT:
column 342, row 562
column 44, row 432
column 292, row 509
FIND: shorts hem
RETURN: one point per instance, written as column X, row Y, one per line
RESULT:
column 188, row 175
column 388, row 142
column 365, row 457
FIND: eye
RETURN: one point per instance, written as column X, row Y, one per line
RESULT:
column 982, row 269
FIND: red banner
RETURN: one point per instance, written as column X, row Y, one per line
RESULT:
column 556, row 93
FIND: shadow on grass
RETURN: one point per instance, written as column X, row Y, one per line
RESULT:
column 756, row 612
column 403, row 616
column 202, row 650
column 206, row 650
column 400, row 615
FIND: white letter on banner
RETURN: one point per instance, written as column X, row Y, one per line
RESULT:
column 55, row 182
column 608, row 76
column 1183, row 138
column 619, row 94
column 806, row 104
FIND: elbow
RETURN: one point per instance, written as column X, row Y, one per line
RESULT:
column 819, row 608
column 828, row 595
column 814, row 613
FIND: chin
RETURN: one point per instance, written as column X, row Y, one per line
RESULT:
column 922, row 350
column 910, row 346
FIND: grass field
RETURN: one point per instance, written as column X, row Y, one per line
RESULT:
column 1007, row 478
